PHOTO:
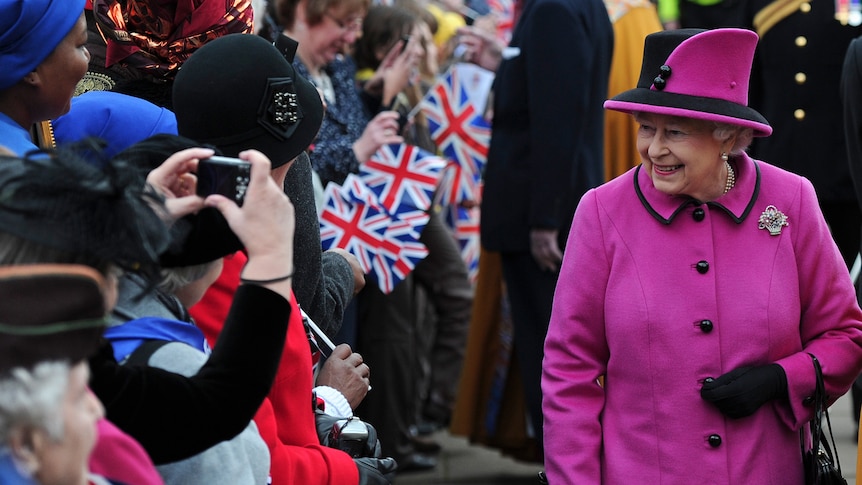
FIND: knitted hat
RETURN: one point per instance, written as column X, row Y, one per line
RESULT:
column 50, row 312
column 239, row 92
column 30, row 30
column 694, row 73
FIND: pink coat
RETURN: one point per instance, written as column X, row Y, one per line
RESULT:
column 634, row 304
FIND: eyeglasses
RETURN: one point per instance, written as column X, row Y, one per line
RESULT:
column 353, row 25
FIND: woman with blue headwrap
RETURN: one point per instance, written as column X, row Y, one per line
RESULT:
column 43, row 53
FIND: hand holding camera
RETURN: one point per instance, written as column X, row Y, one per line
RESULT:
column 265, row 223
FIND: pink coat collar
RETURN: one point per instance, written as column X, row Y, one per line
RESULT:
column 737, row 203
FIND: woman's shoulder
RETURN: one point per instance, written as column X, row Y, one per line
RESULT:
column 773, row 176
column 618, row 184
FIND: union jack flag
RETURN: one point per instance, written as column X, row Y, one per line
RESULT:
column 504, row 11
column 399, row 253
column 403, row 177
column 355, row 227
column 464, row 223
column 457, row 185
column 456, row 126
column 355, row 191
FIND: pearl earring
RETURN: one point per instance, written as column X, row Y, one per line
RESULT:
column 724, row 156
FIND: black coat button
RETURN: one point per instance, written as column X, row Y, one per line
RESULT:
column 706, row 326
column 702, row 267
column 698, row 214
column 714, row 440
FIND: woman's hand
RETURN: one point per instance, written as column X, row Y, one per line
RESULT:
column 402, row 70
column 345, row 371
column 176, row 182
column 742, row 391
column 265, row 224
column 396, row 70
column 381, row 130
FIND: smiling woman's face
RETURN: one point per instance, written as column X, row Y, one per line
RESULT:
column 682, row 156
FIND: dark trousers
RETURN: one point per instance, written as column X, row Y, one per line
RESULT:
column 531, row 294
column 395, row 340
column 387, row 340
column 444, row 277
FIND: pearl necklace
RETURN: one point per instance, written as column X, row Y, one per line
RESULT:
column 731, row 178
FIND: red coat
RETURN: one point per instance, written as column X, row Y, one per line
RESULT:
column 285, row 419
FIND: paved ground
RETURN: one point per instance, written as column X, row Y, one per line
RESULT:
column 462, row 463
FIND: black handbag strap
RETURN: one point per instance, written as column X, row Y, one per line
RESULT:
column 820, row 410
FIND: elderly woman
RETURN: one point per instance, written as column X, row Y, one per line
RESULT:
column 53, row 316
column 697, row 284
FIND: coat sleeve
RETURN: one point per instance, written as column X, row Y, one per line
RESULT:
column 174, row 417
column 830, row 321
column 297, row 455
column 323, row 282
column 576, row 354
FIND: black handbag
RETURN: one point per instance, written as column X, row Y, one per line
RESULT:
column 822, row 466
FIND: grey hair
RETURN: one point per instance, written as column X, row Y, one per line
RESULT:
column 744, row 136
column 175, row 278
column 31, row 399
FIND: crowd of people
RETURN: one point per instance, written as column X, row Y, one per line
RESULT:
column 666, row 236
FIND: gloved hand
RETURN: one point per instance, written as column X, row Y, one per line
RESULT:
column 376, row 471
column 742, row 391
column 332, row 432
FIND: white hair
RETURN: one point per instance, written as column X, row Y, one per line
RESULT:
column 175, row 278
column 31, row 399
column 744, row 136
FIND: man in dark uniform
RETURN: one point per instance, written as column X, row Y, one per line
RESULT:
column 795, row 84
column 547, row 143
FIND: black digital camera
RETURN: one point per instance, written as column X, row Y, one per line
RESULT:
column 223, row 175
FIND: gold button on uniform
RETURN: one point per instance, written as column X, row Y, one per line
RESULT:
column 801, row 41
column 799, row 114
column 800, row 78
column 805, row 8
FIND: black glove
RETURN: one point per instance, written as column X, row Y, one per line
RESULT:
column 742, row 391
column 359, row 439
column 376, row 471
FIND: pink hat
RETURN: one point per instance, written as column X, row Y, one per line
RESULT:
column 695, row 73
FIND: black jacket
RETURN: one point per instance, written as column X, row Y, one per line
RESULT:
column 547, row 137
column 175, row 417
column 795, row 85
